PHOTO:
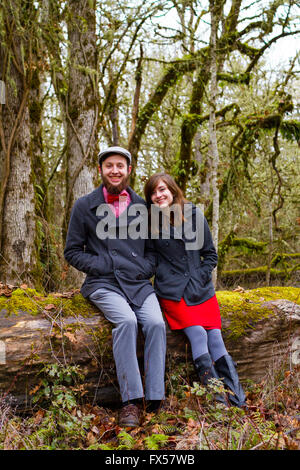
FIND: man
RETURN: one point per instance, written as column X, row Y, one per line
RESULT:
column 118, row 270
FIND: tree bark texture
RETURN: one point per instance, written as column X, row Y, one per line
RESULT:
column 17, row 209
column 214, row 153
column 189, row 126
column 28, row 342
column 82, row 110
column 82, row 103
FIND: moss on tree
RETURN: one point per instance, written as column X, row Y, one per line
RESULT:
column 33, row 302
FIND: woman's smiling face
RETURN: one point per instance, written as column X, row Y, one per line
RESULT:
column 161, row 195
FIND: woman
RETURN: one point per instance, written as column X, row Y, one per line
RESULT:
column 183, row 280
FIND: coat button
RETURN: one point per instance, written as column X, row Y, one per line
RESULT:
column 117, row 271
column 114, row 252
column 186, row 274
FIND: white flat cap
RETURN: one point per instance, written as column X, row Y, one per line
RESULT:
column 114, row 151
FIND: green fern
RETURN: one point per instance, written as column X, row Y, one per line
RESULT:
column 170, row 429
column 155, row 441
column 126, row 441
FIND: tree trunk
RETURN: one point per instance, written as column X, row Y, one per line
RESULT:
column 212, row 129
column 82, row 109
column 82, row 103
column 44, row 273
column 169, row 79
column 270, row 254
column 189, row 127
column 17, row 209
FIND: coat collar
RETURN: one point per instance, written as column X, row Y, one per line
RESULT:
column 96, row 198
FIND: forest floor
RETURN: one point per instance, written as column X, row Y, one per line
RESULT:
column 188, row 420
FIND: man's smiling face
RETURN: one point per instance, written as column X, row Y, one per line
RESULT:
column 115, row 173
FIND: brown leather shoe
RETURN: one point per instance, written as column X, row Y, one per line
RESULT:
column 129, row 416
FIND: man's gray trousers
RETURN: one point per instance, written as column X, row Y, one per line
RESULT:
column 126, row 318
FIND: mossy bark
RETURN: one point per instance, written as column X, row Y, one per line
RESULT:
column 250, row 276
column 17, row 210
column 188, row 128
column 82, row 105
column 81, row 112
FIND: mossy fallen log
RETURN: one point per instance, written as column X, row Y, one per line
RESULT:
column 284, row 257
column 252, row 275
column 260, row 327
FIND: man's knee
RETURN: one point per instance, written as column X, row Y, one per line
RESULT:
column 128, row 322
column 156, row 324
column 125, row 329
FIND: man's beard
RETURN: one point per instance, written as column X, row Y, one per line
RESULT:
column 115, row 189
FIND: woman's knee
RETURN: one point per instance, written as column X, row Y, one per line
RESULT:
column 216, row 344
column 215, row 337
column 196, row 333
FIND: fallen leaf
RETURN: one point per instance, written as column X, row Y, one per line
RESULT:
column 71, row 337
column 90, row 438
column 39, row 416
column 239, row 289
column 49, row 307
column 35, row 389
column 38, row 298
column 192, row 423
column 5, row 290
column 156, row 429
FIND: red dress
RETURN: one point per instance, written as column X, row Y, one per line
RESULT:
column 179, row 315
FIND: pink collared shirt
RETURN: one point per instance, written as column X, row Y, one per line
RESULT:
column 120, row 205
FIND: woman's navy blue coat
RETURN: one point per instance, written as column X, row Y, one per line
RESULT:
column 184, row 272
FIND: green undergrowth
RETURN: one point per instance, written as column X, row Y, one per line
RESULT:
column 61, row 419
